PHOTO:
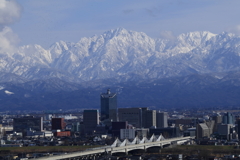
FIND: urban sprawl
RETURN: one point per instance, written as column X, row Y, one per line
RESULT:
column 212, row 133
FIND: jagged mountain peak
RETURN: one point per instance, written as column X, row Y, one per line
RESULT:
column 195, row 38
column 225, row 40
column 122, row 32
column 117, row 31
column 197, row 34
column 225, row 37
column 33, row 48
column 122, row 52
column 227, row 34
column 187, row 42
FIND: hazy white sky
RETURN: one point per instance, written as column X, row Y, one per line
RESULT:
column 47, row 21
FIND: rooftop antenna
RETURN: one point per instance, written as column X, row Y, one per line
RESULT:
column 108, row 91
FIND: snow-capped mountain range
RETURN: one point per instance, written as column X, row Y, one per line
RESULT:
column 124, row 55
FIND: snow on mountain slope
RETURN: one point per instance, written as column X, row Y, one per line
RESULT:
column 119, row 53
column 189, row 41
column 8, row 92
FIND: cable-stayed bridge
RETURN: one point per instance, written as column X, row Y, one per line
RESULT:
column 119, row 146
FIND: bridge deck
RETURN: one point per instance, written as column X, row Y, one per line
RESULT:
column 113, row 149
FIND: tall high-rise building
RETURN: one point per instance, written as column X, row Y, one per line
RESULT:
column 132, row 115
column 109, row 106
column 149, row 118
column 228, row 118
column 218, row 121
column 58, row 123
column 202, row 131
column 238, row 128
column 162, row 119
column 90, row 120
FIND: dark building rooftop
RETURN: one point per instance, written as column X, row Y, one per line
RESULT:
column 108, row 94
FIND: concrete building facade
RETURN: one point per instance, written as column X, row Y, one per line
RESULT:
column 58, row 124
column 117, row 126
column 127, row 133
column 228, row 118
column 205, row 129
column 224, row 130
column 90, row 120
column 25, row 123
column 132, row 115
column 149, row 118
column 202, row 131
column 162, row 119
column 218, row 121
